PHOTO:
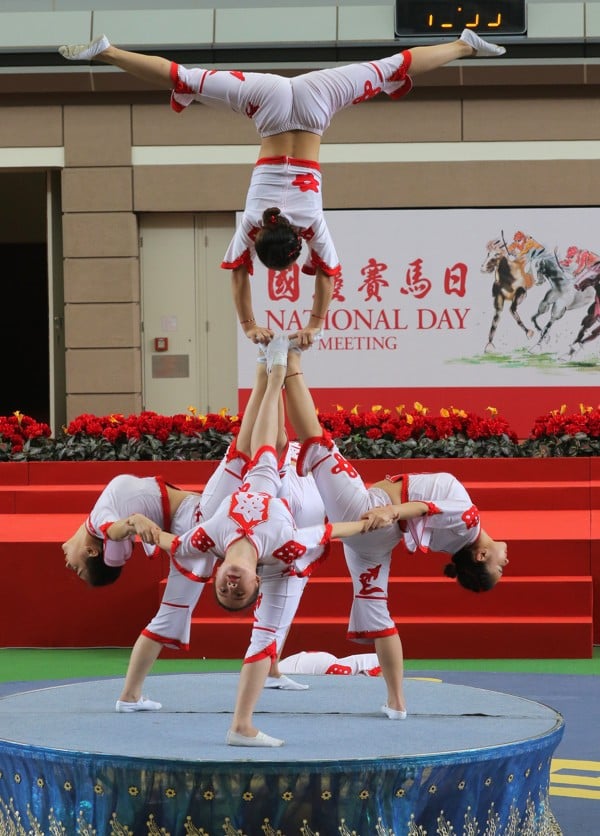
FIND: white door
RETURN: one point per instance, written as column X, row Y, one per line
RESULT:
column 188, row 321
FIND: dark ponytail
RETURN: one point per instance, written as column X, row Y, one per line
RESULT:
column 278, row 244
column 470, row 573
column 98, row 573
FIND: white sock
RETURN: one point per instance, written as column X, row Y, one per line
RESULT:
column 84, row 52
column 482, row 48
column 277, row 352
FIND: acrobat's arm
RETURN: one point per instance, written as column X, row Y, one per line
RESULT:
column 387, row 514
column 320, row 305
column 242, row 298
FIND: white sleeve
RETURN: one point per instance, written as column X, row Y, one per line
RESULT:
column 102, row 516
column 194, row 554
column 323, row 254
column 117, row 552
column 241, row 249
column 449, row 526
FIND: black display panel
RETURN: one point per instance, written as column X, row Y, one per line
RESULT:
column 445, row 17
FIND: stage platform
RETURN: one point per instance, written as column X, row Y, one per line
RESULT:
column 466, row 761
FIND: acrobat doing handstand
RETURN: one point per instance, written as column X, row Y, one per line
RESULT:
column 284, row 204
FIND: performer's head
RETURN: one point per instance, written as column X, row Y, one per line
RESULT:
column 236, row 582
column 84, row 555
column 478, row 567
column 278, row 243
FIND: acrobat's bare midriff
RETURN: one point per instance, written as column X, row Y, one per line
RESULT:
column 300, row 144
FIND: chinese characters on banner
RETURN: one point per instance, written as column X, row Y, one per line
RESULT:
column 448, row 298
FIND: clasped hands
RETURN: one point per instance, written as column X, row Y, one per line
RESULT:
column 381, row 517
column 303, row 338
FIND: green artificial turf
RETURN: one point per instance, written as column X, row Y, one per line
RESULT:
column 23, row 665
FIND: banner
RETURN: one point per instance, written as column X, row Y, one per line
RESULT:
column 448, row 298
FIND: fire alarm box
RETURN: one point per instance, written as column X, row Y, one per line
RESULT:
column 161, row 343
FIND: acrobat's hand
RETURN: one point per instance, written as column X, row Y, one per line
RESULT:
column 259, row 334
column 143, row 527
column 163, row 539
column 305, row 338
column 380, row 517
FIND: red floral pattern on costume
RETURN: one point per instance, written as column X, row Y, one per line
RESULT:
column 366, row 579
column 471, row 517
column 343, row 466
column 201, row 541
column 306, row 182
column 248, row 510
column 339, row 670
column 369, row 93
column 251, row 110
column 290, row 551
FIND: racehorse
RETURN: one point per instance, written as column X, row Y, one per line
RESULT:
column 564, row 295
column 591, row 280
column 511, row 282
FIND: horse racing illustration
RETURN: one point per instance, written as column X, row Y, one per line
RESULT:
column 522, row 268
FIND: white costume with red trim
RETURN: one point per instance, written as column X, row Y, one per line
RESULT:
column 451, row 523
column 280, row 592
column 263, row 519
column 320, row 662
column 125, row 495
column 277, row 104
column 286, row 554
column 295, row 187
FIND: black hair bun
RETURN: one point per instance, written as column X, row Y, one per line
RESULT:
column 450, row 570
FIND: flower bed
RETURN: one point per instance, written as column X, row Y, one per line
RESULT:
column 378, row 433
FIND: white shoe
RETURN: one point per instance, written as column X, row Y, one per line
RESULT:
column 482, row 48
column 143, row 704
column 393, row 714
column 284, row 683
column 277, row 352
column 261, row 739
column 85, row 52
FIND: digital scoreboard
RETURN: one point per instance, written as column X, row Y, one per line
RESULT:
column 417, row 18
